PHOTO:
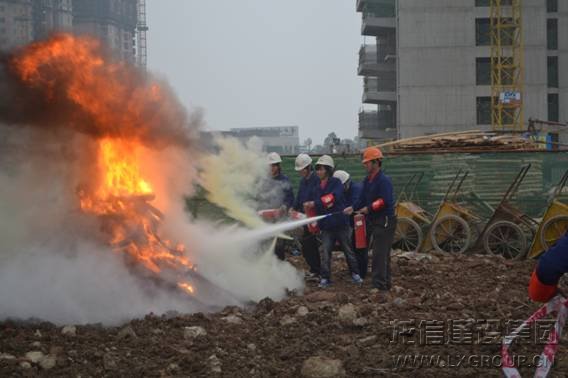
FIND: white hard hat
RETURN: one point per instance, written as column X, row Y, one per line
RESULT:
column 274, row 158
column 302, row 161
column 325, row 160
column 342, row 176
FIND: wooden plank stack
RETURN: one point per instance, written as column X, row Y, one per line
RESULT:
column 474, row 141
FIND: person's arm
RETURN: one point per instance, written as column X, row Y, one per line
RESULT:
column 297, row 205
column 550, row 268
column 288, row 195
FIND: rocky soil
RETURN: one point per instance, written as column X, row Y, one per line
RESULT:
column 455, row 307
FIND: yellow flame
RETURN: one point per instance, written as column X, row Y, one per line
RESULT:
column 187, row 287
column 119, row 162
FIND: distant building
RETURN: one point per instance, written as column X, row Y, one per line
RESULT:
column 283, row 139
column 114, row 22
column 120, row 24
column 428, row 66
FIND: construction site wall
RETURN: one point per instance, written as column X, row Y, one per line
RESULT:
column 490, row 174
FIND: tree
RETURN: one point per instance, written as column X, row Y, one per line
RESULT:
column 308, row 144
column 331, row 141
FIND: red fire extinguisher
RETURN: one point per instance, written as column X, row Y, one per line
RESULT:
column 311, row 212
column 360, row 231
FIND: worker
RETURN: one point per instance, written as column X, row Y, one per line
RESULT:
column 550, row 268
column 285, row 194
column 329, row 200
column 309, row 242
column 353, row 191
column 277, row 193
column 377, row 203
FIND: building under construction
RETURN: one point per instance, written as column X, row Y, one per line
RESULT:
column 453, row 65
column 120, row 24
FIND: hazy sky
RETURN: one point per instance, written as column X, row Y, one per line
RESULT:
column 261, row 62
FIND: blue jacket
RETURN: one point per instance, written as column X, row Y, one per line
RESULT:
column 374, row 188
column 287, row 190
column 275, row 192
column 306, row 191
column 551, row 266
column 352, row 197
column 335, row 187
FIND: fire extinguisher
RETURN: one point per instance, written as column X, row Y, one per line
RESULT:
column 360, row 231
column 311, row 212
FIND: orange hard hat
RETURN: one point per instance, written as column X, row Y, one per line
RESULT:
column 372, row 153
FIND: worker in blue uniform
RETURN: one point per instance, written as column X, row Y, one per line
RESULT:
column 550, row 268
column 309, row 242
column 377, row 202
column 352, row 193
column 329, row 200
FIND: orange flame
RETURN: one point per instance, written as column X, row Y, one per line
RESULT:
column 125, row 113
column 98, row 96
column 120, row 159
column 125, row 195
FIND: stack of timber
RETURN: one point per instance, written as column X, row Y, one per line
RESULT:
column 467, row 141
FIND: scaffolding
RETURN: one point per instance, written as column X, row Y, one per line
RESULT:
column 142, row 29
column 507, row 66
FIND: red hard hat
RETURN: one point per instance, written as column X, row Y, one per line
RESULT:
column 372, row 153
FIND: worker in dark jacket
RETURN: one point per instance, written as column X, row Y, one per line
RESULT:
column 281, row 192
column 276, row 193
column 377, row 202
column 309, row 242
column 551, row 266
column 329, row 200
column 353, row 191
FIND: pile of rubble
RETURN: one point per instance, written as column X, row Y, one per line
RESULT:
column 341, row 331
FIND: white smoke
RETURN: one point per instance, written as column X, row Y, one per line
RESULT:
column 55, row 266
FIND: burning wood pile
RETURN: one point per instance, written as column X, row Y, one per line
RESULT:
column 117, row 118
column 123, row 205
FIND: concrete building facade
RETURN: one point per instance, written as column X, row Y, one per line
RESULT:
column 115, row 22
column 16, row 23
column 443, row 66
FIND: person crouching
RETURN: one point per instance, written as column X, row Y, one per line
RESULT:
column 329, row 199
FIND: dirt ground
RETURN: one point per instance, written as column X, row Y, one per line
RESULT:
column 452, row 310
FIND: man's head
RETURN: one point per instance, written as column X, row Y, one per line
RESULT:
column 303, row 165
column 324, row 167
column 372, row 159
column 274, row 160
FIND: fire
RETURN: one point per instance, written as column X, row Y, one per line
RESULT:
column 84, row 91
column 187, row 287
column 122, row 200
column 120, row 161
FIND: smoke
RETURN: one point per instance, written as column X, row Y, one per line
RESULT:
column 71, row 83
column 55, row 265
column 237, row 179
column 55, row 260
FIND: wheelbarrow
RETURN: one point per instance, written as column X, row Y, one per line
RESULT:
column 411, row 218
column 508, row 230
column 450, row 229
column 554, row 222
